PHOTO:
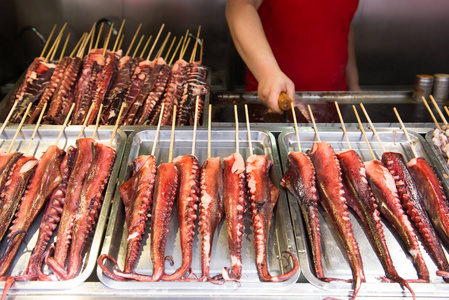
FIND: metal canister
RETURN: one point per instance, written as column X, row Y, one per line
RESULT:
column 441, row 87
column 423, row 86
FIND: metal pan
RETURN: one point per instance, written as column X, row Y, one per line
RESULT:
column 223, row 144
column 45, row 137
column 335, row 263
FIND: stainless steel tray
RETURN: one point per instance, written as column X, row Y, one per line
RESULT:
column 335, row 263
column 45, row 137
column 223, row 144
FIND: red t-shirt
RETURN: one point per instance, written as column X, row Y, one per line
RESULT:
column 309, row 39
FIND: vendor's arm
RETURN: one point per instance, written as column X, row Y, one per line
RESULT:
column 352, row 75
column 249, row 39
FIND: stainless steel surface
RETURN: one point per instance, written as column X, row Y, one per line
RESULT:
column 334, row 261
column 45, row 137
column 223, row 144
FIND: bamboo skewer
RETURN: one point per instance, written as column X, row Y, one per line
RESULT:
column 138, row 45
column 89, row 37
column 372, row 128
column 41, row 115
column 134, row 38
column 99, row 35
column 431, row 113
column 184, row 50
column 209, row 128
column 56, row 43
column 92, row 33
column 185, row 39
column 20, row 127
column 313, row 122
column 153, row 150
column 195, row 123
column 106, row 42
column 117, row 123
column 55, row 49
column 438, row 110
column 65, row 124
column 363, row 132
column 85, row 120
column 296, row 127
column 343, row 127
column 78, row 44
column 192, row 57
column 176, row 50
column 121, row 41
column 146, row 46
column 169, row 49
column 48, row 41
column 405, row 132
column 155, row 41
column 172, row 135
column 159, row 52
column 236, row 129
column 118, row 36
column 98, row 121
column 8, row 117
column 447, row 110
column 248, row 130
column 65, row 46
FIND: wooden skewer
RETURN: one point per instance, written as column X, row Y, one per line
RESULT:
column 236, row 129
column 55, row 49
column 55, row 44
column 155, row 41
column 65, row 124
column 121, row 41
column 146, row 46
column 405, row 132
column 185, row 39
column 78, row 44
column 99, row 35
column 176, row 50
column 85, row 120
column 209, row 128
column 172, row 136
column 363, row 132
column 296, row 127
column 372, row 127
column 98, row 121
column 36, row 128
column 201, row 52
column 159, row 53
column 117, row 123
column 431, row 113
column 134, row 38
column 438, row 109
column 118, row 36
column 106, row 42
column 195, row 124
column 20, row 127
column 92, row 33
column 153, row 150
column 169, row 49
column 48, row 41
column 65, row 46
column 138, row 45
column 343, row 127
column 8, row 117
column 313, row 122
column 248, row 130
column 447, row 110
column 89, row 37
column 184, row 50
column 192, row 57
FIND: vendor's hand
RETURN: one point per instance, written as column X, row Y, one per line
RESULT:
column 271, row 86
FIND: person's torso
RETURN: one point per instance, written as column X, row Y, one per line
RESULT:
column 309, row 39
